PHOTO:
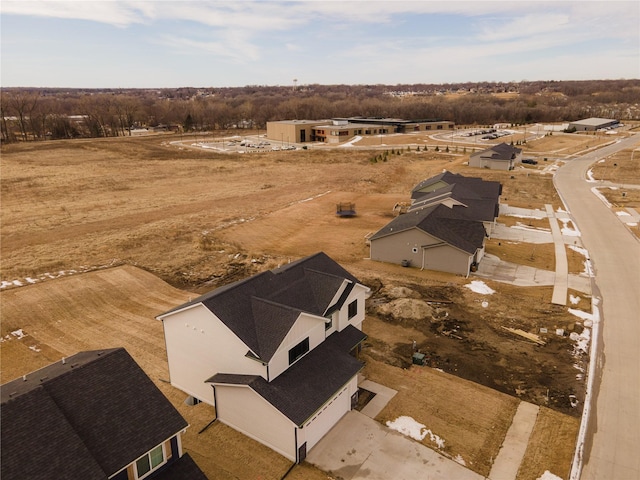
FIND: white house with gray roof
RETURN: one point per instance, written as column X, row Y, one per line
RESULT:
column 276, row 353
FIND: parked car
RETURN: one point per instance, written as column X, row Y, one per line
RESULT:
column 529, row 161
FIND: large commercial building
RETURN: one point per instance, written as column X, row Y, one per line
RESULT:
column 593, row 124
column 338, row 130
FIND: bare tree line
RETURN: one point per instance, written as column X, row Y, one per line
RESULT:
column 39, row 114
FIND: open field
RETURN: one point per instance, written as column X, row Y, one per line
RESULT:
column 198, row 219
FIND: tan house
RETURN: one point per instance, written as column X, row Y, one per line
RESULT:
column 498, row 157
column 275, row 353
column 445, row 227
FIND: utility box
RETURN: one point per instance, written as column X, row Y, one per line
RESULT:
column 419, row 358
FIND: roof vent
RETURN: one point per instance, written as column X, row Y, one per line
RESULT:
column 64, row 360
column 24, row 378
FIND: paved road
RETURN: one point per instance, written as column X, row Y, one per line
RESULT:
column 612, row 443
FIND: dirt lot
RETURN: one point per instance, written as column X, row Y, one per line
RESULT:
column 198, row 219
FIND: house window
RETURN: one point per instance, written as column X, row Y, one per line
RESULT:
column 299, row 350
column 353, row 309
column 150, row 462
column 328, row 323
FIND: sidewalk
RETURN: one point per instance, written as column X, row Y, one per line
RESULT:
column 507, row 463
column 560, row 285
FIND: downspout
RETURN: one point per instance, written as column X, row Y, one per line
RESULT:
column 423, row 252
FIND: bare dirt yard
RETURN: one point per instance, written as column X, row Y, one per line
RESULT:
column 199, row 219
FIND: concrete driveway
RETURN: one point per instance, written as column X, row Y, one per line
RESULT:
column 358, row 447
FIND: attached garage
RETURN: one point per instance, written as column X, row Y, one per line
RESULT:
column 326, row 418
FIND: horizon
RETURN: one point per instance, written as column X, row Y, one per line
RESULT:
column 111, row 44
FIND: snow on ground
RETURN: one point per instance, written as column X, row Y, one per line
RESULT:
column 458, row 458
column 51, row 276
column 623, row 214
column 547, row 475
column 350, row 143
column 411, row 428
column 589, row 319
column 588, row 271
column 574, row 300
column 597, row 193
column 18, row 334
column 569, row 231
column 480, row 287
column 590, row 176
column 522, row 226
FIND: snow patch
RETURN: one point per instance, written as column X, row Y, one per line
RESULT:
column 574, row 300
column 411, row 428
column 567, row 230
column 18, row 334
column 547, row 475
column 478, row 286
column 458, row 458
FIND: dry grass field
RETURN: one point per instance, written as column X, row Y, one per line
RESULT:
column 198, row 219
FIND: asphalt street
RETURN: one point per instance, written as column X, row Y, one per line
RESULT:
column 613, row 433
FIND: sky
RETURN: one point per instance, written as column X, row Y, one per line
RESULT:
column 180, row 43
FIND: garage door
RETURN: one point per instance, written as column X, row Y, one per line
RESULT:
column 326, row 418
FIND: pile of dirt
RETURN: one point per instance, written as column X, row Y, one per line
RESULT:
column 459, row 339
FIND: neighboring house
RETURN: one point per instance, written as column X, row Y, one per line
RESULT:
column 275, row 353
column 498, row 157
column 445, row 227
column 94, row 415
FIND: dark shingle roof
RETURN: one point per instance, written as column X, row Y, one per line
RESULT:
column 449, row 225
column 312, row 381
column 183, row 468
column 102, row 403
column 502, row 151
column 261, row 309
column 480, row 188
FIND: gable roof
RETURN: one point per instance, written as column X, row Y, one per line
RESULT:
column 480, row 188
column 90, row 404
column 260, row 310
column 501, row 151
column 311, row 382
column 449, row 225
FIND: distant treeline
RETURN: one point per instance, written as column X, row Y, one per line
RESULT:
column 53, row 113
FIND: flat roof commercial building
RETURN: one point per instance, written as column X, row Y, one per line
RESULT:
column 593, row 124
column 338, row 130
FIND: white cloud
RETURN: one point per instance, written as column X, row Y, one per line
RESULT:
column 119, row 14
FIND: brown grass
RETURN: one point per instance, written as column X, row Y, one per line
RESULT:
column 116, row 308
column 197, row 219
column 538, row 255
column 551, row 431
column 473, row 426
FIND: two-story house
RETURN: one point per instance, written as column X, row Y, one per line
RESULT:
column 93, row 415
column 274, row 353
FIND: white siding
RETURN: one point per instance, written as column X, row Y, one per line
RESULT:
column 199, row 345
column 325, row 418
column 244, row 410
column 306, row 326
column 357, row 294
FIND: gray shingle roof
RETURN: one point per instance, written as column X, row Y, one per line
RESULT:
column 480, row 188
column 182, row 469
column 261, row 309
column 501, row 151
column 311, row 382
column 86, row 418
column 449, row 225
